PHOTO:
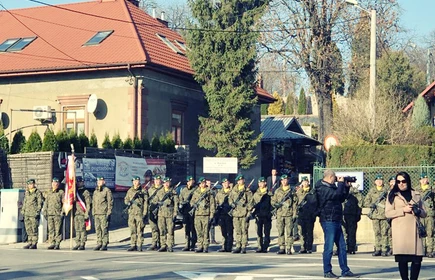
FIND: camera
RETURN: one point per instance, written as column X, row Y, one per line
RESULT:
column 349, row 179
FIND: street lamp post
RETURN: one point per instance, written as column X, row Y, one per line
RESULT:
column 372, row 86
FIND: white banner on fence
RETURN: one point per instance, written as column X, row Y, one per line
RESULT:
column 127, row 167
column 220, row 165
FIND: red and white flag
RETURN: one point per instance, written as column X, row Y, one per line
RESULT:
column 70, row 185
column 83, row 206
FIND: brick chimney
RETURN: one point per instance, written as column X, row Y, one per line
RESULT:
column 134, row 2
column 162, row 19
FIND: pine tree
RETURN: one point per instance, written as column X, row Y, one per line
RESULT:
column 145, row 144
column 167, row 143
column 106, row 142
column 276, row 108
column 128, row 143
column 83, row 141
column 290, row 104
column 137, row 144
column 302, row 104
column 263, row 109
column 93, row 141
column 224, row 65
column 34, row 143
column 4, row 143
column 18, row 143
column 420, row 113
column 155, row 144
column 62, row 139
column 74, row 139
column 50, row 143
column 116, row 141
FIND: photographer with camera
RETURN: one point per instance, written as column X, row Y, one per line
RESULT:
column 375, row 200
column 329, row 199
column 405, row 208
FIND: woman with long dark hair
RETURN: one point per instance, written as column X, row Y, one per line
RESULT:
column 404, row 207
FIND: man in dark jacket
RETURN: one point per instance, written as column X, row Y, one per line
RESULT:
column 330, row 198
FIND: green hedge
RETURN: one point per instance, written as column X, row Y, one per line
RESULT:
column 376, row 155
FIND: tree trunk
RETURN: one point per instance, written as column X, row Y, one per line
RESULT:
column 324, row 103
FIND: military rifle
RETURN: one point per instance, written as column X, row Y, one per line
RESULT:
column 183, row 206
column 272, row 189
column 281, row 203
column 219, row 209
column 201, row 198
column 132, row 201
column 166, row 196
column 374, row 206
column 427, row 195
column 236, row 202
column 256, row 208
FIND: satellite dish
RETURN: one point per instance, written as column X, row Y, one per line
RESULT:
column 92, row 103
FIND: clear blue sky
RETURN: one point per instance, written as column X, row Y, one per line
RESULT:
column 417, row 15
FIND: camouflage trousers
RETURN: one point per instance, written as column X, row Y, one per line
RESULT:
column 54, row 229
column 285, row 229
column 80, row 230
column 227, row 228
column 202, row 227
column 166, row 229
column 264, row 225
column 101, row 229
column 429, row 241
column 241, row 231
column 31, row 224
column 380, row 229
column 306, row 231
column 189, row 231
column 350, row 225
column 154, row 226
column 136, row 225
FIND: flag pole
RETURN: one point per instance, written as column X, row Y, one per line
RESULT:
column 73, row 203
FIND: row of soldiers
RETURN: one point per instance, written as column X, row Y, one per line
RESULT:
column 51, row 202
column 231, row 208
column 375, row 200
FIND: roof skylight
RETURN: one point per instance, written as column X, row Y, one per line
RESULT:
column 7, row 44
column 21, row 44
column 98, row 38
column 169, row 43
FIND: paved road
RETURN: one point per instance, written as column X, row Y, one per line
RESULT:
column 116, row 263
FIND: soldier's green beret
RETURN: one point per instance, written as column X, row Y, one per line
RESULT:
column 423, row 175
column 55, row 179
column 157, row 177
column 284, row 176
column 224, row 180
column 188, row 178
column 261, row 179
column 240, row 177
column 166, row 179
column 392, row 178
column 202, row 179
column 135, row 178
column 31, row 181
column 304, row 178
column 379, row 177
column 100, row 178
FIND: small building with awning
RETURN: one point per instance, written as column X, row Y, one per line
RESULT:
column 286, row 147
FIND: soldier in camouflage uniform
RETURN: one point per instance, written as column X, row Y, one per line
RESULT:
column 428, row 198
column 81, row 214
column 392, row 182
column 377, row 215
column 225, row 221
column 351, row 217
column 31, row 211
column 261, row 211
column 306, row 217
column 239, row 199
column 204, row 204
column 285, row 202
column 168, row 208
column 53, row 212
column 136, row 200
column 189, row 226
column 102, row 204
column 152, row 219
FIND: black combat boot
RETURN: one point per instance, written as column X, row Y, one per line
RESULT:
column 82, row 247
column 104, row 248
column 76, row 247
column 221, row 250
column 98, row 247
column 33, row 246
column 152, row 248
column 185, row 249
column 376, row 253
column 132, row 248
column 163, row 249
column 27, row 246
column 56, row 247
column 199, row 250
column 51, row 247
column 281, row 252
column 170, row 250
column 243, row 250
column 237, row 250
column 303, row 251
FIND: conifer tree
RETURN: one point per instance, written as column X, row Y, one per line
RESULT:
column 276, row 108
column 74, row 139
column 223, row 59
column 145, row 144
column 4, row 143
column 263, row 109
column 128, row 143
column 93, row 141
column 116, row 141
column 63, row 141
column 302, row 104
column 137, row 144
column 18, row 143
column 420, row 113
column 83, row 142
column 290, row 104
column 155, row 144
column 34, row 143
column 106, row 142
column 50, row 143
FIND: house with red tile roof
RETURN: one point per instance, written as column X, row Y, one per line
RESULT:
column 104, row 66
column 428, row 94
